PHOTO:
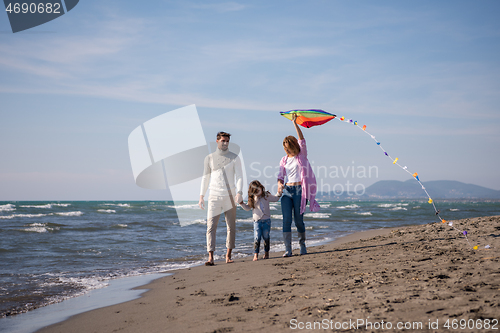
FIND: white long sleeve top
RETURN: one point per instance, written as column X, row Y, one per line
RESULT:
column 216, row 165
column 261, row 210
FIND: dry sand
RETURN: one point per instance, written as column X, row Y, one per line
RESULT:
column 425, row 274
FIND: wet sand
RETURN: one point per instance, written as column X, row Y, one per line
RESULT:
column 418, row 278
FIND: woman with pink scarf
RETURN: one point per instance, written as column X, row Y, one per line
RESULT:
column 299, row 188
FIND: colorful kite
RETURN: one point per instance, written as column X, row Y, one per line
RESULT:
column 309, row 118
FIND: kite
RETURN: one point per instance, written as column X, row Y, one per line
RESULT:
column 309, row 118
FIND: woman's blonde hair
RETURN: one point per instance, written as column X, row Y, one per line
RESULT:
column 292, row 143
column 253, row 189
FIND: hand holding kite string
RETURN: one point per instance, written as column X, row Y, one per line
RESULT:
column 315, row 117
column 297, row 128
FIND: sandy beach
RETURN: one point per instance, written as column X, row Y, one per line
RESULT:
column 420, row 278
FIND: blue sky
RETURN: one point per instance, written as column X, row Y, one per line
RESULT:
column 423, row 76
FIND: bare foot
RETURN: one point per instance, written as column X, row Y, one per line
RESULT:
column 266, row 255
column 255, row 257
column 228, row 256
column 210, row 261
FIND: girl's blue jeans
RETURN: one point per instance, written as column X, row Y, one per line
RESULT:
column 290, row 204
column 262, row 229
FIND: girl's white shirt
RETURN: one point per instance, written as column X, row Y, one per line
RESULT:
column 261, row 210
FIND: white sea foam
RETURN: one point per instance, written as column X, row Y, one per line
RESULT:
column 30, row 215
column 187, row 206
column 348, row 206
column 385, row 205
column 77, row 213
column 245, row 220
column 390, row 205
column 88, row 283
column 324, row 205
column 118, row 205
column 106, row 210
column 294, row 229
column 39, row 228
column 47, row 206
column 36, row 229
column 399, row 208
column 454, row 209
column 274, row 205
column 122, row 225
column 364, row 213
column 198, row 221
column 7, row 217
column 7, row 208
column 175, row 266
column 277, row 217
column 317, row 215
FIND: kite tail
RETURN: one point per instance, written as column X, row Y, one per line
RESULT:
column 395, row 161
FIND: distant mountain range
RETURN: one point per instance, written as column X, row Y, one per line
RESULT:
column 410, row 189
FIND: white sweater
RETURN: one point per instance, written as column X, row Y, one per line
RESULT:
column 218, row 165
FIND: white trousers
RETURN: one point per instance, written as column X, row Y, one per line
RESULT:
column 216, row 206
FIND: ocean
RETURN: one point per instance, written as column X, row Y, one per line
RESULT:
column 53, row 251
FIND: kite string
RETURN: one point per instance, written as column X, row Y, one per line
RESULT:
column 415, row 176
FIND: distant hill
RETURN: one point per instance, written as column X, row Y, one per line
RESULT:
column 442, row 189
column 410, row 189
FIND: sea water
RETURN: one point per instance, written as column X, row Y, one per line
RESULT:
column 52, row 251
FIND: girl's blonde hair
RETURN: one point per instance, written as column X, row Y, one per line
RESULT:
column 292, row 143
column 253, row 189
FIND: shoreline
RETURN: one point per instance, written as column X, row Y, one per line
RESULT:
column 118, row 291
column 423, row 273
column 98, row 298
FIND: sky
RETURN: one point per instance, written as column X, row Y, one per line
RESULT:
column 423, row 76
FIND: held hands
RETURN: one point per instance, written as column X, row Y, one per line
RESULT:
column 281, row 186
column 238, row 198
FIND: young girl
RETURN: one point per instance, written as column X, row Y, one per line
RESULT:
column 258, row 201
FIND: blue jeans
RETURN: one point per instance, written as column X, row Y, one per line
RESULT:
column 262, row 229
column 290, row 203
